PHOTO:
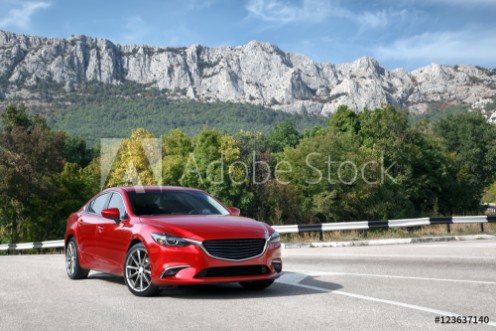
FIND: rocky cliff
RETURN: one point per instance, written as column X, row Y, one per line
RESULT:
column 257, row 73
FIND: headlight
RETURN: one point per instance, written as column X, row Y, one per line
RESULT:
column 168, row 240
column 274, row 237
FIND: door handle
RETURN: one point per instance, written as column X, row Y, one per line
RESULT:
column 100, row 228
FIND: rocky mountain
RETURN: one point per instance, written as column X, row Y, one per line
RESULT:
column 257, row 73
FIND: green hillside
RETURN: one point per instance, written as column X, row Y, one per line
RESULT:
column 98, row 111
column 438, row 111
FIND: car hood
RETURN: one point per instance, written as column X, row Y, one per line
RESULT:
column 208, row 227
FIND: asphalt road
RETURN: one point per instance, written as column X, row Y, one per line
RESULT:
column 350, row 288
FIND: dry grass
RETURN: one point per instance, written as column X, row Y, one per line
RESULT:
column 411, row 232
column 35, row 251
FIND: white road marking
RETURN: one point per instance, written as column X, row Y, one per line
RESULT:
column 399, row 256
column 485, row 245
column 295, row 280
column 326, row 273
column 404, row 305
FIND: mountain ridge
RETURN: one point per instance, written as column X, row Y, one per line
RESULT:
column 258, row 73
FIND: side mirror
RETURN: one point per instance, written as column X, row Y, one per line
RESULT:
column 234, row 211
column 113, row 214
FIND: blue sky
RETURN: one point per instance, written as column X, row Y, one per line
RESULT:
column 398, row 33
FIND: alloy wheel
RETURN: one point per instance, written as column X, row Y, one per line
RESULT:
column 138, row 274
column 71, row 258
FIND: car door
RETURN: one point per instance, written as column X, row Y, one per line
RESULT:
column 89, row 229
column 113, row 240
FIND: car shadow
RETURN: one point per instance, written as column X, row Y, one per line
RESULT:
column 311, row 285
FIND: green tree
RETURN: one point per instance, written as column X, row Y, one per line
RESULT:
column 69, row 190
column 470, row 140
column 330, row 191
column 176, row 148
column 15, row 118
column 207, row 167
column 137, row 161
column 405, row 171
column 284, row 134
column 345, row 120
column 29, row 154
column 417, row 162
column 76, row 151
column 490, row 194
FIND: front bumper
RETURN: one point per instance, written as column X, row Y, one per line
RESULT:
column 192, row 265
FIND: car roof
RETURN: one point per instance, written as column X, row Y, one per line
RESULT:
column 152, row 188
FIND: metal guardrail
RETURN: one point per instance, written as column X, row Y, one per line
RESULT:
column 323, row 227
column 491, row 207
column 389, row 224
column 33, row 245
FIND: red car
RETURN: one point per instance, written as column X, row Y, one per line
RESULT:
column 157, row 236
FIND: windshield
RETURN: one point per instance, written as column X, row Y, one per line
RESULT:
column 169, row 202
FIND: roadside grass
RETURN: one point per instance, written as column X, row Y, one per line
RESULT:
column 408, row 232
column 35, row 251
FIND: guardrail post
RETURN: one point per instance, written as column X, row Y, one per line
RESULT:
column 321, row 235
column 482, row 227
column 448, row 228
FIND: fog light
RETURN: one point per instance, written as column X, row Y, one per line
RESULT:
column 172, row 271
column 277, row 265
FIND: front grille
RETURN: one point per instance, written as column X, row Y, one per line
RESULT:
column 234, row 249
column 247, row 270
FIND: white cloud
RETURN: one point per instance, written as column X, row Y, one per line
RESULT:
column 471, row 46
column 280, row 12
column 380, row 18
column 20, row 15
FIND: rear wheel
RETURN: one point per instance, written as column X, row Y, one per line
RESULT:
column 137, row 272
column 72, row 266
column 257, row 284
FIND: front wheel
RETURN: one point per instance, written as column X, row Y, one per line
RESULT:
column 72, row 266
column 257, row 284
column 137, row 272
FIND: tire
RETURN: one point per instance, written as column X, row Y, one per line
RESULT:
column 137, row 272
column 72, row 266
column 257, row 284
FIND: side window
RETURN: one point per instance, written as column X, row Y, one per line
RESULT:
column 116, row 202
column 97, row 205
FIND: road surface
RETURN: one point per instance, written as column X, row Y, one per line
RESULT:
column 349, row 288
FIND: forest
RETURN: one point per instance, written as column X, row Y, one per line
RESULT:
column 375, row 164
